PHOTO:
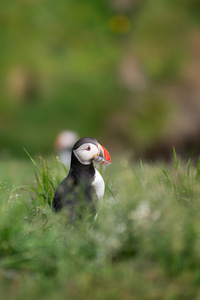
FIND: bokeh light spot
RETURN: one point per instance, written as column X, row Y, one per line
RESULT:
column 120, row 24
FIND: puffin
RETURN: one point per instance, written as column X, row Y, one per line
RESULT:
column 84, row 186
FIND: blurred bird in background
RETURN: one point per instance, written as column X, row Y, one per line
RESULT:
column 63, row 145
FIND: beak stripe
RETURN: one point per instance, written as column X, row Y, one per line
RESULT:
column 101, row 153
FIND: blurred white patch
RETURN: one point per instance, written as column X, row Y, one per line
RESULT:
column 121, row 228
column 63, row 145
column 143, row 213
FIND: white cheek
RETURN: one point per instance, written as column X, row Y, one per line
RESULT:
column 85, row 156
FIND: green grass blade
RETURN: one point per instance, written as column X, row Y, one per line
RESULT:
column 30, row 157
column 167, row 179
column 175, row 164
column 197, row 177
column 188, row 168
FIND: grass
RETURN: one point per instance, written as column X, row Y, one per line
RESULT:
column 143, row 245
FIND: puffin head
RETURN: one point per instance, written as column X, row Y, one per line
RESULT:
column 88, row 150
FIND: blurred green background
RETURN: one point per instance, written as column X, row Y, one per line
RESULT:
column 124, row 71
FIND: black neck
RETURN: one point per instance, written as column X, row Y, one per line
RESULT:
column 80, row 171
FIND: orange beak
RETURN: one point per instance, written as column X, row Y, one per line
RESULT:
column 103, row 156
column 106, row 156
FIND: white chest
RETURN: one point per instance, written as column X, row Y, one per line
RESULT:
column 99, row 185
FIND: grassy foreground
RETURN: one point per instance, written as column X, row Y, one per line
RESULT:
column 144, row 244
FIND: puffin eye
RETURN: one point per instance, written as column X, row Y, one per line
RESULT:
column 88, row 148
